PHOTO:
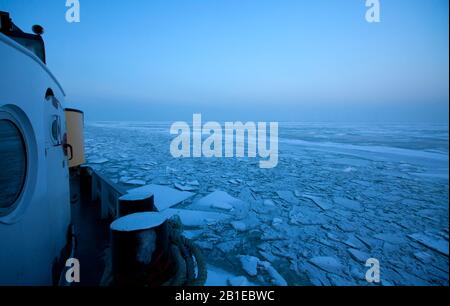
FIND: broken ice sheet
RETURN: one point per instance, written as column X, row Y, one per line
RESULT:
column 287, row 196
column 316, row 276
column 196, row 218
column 276, row 277
column 402, row 192
column 228, row 246
column 192, row 234
column 306, row 217
column 185, row 187
column 327, row 263
column 249, row 264
column 266, row 207
column 320, row 202
column 433, row 243
column 220, row 277
column 98, row 160
column 267, row 256
column 393, row 238
column 220, row 200
column 347, row 203
column 359, row 255
column 135, row 182
column 193, row 183
column 424, row 257
column 239, row 226
column 353, row 242
column 164, row 197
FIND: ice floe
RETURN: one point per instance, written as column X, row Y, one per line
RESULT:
column 347, row 203
column 218, row 276
column 165, row 197
column 424, row 257
column 287, row 196
column 135, row 182
column 185, row 187
column 359, row 255
column 98, row 160
column 326, row 263
column 228, row 246
column 196, row 218
column 320, row 202
column 238, row 281
column 433, row 243
column 239, row 226
column 220, row 200
column 276, row 277
column 306, row 217
column 249, row 264
column 390, row 237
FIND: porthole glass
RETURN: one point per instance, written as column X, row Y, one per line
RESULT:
column 13, row 165
column 56, row 130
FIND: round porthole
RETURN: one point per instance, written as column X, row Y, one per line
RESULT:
column 56, row 130
column 13, row 165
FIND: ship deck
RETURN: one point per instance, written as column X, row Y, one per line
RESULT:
column 92, row 234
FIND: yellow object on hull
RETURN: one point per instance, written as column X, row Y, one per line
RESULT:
column 75, row 136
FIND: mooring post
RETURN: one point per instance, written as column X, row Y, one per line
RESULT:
column 135, row 203
column 141, row 255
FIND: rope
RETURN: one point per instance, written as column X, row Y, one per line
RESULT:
column 202, row 272
column 187, row 256
column 180, row 277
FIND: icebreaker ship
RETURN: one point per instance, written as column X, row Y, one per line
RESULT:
column 34, row 179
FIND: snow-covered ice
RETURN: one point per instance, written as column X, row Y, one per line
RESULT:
column 359, row 255
column 277, row 279
column 340, row 194
column 239, row 226
column 195, row 218
column 165, row 197
column 220, row 200
column 328, row 264
column 438, row 244
column 220, row 277
column 249, row 264
column 135, row 182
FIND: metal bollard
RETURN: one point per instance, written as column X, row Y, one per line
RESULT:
column 136, row 203
column 141, row 254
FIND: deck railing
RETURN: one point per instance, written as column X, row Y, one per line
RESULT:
column 106, row 193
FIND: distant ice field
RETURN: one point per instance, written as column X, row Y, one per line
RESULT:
column 341, row 194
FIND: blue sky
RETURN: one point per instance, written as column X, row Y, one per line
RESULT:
column 273, row 60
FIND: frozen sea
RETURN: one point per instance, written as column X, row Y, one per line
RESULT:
column 341, row 194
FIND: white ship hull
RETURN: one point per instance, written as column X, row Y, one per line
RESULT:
column 34, row 233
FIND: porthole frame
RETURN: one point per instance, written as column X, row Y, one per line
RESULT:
column 11, row 206
column 18, row 117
